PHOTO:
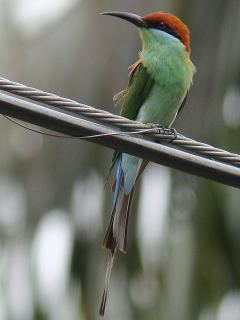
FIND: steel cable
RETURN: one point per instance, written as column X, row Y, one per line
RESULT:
column 159, row 134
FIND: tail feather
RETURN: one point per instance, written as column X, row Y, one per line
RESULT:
column 109, row 242
column 107, row 279
column 116, row 235
column 120, row 222
column 142, row 168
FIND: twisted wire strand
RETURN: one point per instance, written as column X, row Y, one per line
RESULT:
column 163, row 135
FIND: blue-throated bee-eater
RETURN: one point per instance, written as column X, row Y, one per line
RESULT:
column 158, row 86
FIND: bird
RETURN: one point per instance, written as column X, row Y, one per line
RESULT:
column 158, row 85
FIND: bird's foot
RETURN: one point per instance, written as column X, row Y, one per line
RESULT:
column 158, row 129
column 174, row 133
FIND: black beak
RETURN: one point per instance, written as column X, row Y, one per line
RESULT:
column 130, row 17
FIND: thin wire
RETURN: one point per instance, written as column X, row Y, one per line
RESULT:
column 80, row 137
column 34, row 130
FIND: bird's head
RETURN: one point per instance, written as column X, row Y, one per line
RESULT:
column 165, row 22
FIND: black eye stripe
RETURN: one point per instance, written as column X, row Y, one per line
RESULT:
column 171, row 32
column 164, row 27
column 162, row 24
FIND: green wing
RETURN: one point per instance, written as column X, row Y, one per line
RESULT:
column 139, row 85
column 183, row 104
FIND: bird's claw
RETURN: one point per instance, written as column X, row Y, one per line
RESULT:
column 164, row 131
column 174, row 133
column 158, row 128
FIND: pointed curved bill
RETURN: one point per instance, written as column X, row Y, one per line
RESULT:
column 130, row 17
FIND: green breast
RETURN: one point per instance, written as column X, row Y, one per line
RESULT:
column 166, row 59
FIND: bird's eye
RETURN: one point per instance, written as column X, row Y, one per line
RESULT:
column 162, row 24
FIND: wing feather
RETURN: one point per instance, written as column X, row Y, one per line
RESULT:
column 140, row 84
column 183, row 104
